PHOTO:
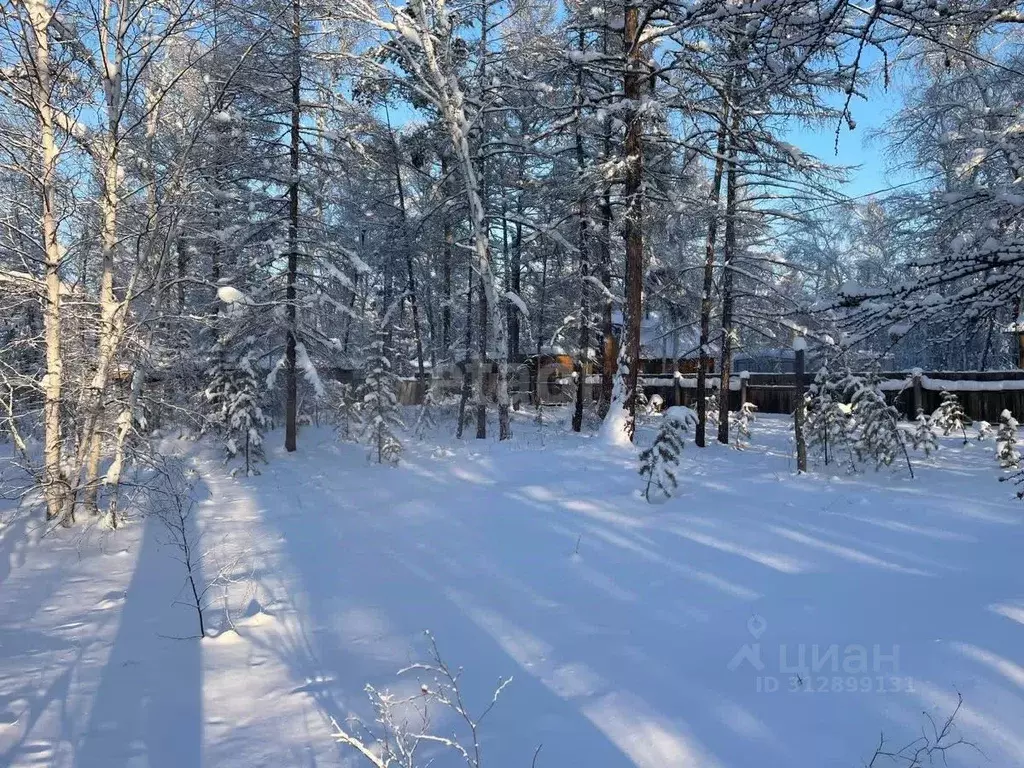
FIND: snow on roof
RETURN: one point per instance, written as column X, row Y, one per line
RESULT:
column 766, row 353
column 664, row 338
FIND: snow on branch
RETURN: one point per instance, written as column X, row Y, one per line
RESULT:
column 405, row 723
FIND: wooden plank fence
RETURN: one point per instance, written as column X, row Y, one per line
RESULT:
column 983, row 394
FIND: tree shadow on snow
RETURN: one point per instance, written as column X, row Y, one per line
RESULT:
column 148, row 705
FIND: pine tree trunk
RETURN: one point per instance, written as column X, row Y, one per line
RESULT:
column 583, row 357
column 483, row 367
column 512, row 284
column 291, row 409
column 446, row 263
column 608, row 350
column 410, row 272
column 728, row 299
column 480, row 189
column 608, row 342
column 706, row 303
column 516, row 268
column 633, row 222
column 799, row 412
column 540, row 323
column 482, row 251
column 467, row 364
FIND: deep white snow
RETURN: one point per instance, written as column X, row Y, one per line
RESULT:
column 633, row 632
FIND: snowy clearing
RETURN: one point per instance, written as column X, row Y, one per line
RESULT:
column 634, row 632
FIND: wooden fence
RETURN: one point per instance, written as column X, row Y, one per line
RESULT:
column 983, row 394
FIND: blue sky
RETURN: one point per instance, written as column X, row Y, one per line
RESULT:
column 857, row 147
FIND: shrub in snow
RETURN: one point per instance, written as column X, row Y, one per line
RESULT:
column 643, row 405
column 879, row 438
column 923, row 437
column 346, row 409
column 829, row 426
column 234, row 393
column 660, row 462
column 1017, row 478
column 379, row 405
column 937, row 740
column 656, row 404
column 404, row 723
column 426, row 418
column 741, row 425
column 985, row 430
column 711, row 408
column 1006, row 441
column 950, row 416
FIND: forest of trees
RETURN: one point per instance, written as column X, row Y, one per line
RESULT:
column 211, row 210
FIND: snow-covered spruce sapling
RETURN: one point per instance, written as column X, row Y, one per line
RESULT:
column 712, row 408
column 1006, row 441
column 923, row 437
column 643, row 405
column 660, row 462
column 950, row 416
column 234, row 394
column 346, row 408
column 426, row 416
column 829, row 428
column 985, row 431
column 879, row 437
column 741, row 425
column 381, row 420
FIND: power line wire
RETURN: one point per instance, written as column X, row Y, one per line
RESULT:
column 847, row 200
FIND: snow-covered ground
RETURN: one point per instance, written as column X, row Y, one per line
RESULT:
column 657, row 636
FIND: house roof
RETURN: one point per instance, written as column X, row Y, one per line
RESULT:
column 661, row 337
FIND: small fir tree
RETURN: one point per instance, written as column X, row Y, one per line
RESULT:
column 642, row 404
column 879, row 438
column 234, row 393
column 711, row 408
column 659, row 464
column 923, row 437
column 950, row 416
column 741, row 425
column 379, row 404
column 347, row 410
column 829, row 427
column 426, row 418
column 985, row 430
column 1006, row 441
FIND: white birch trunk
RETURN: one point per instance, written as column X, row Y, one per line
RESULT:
column 451, row 101
column 54, row 479
column 92, row 432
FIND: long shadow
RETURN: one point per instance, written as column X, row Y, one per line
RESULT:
column 149, row 702
column 362, row 631
column 13, row 532
column 42, row 669
column 618, row 646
